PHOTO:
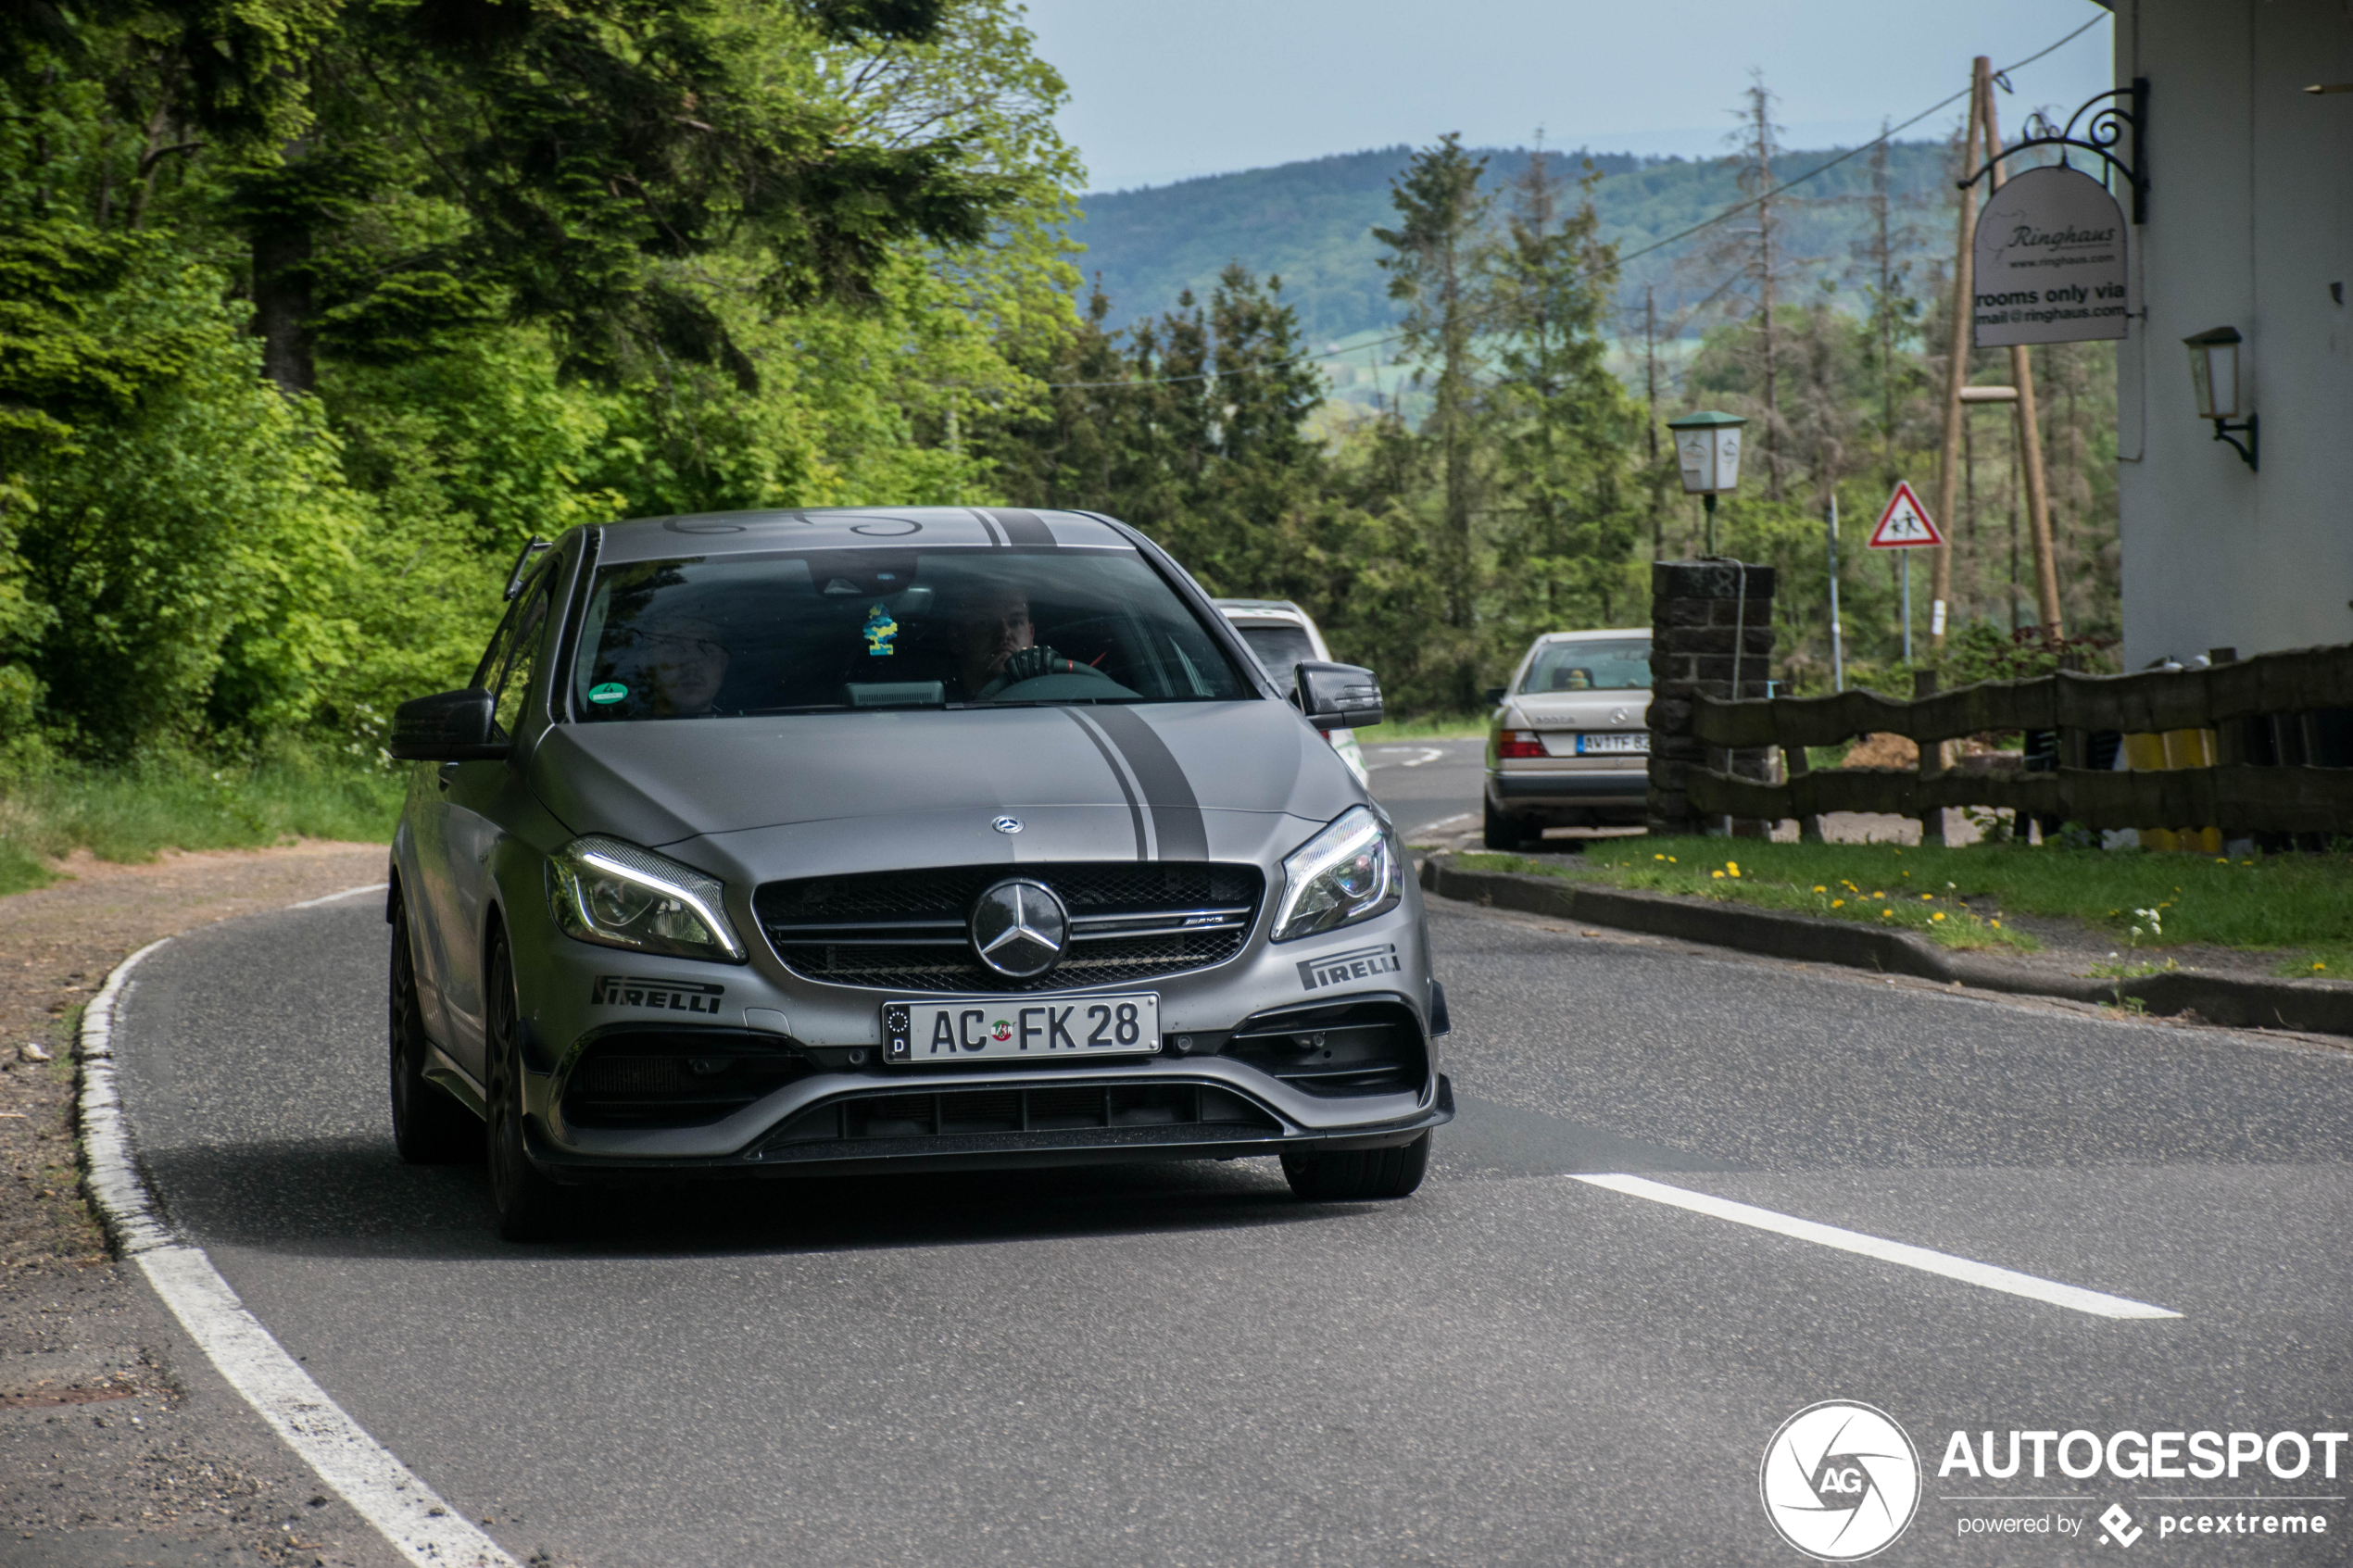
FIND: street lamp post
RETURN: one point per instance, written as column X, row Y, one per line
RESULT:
column 1708, row 451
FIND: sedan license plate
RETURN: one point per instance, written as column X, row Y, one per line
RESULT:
column 1022, row 1028
column 1633, row 740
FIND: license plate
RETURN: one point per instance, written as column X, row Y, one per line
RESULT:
column 1628, row 740
column 984, row 1031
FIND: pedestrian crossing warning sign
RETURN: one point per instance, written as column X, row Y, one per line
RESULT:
column 1904, row 524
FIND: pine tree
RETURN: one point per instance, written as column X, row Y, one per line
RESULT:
column 1431, row 265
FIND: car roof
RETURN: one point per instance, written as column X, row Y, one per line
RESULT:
column 1593, row 636
column 852, row 528
column 1280, row 607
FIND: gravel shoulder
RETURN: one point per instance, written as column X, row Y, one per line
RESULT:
column 119, row 1443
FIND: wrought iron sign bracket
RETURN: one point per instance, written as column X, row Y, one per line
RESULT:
column 2111, row 114
column 2251, row 453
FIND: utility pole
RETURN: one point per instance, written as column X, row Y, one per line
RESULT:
column 1838, row 646
column 1956, row 367
column 1650, row 381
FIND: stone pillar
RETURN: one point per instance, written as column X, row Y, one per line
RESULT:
column 1702, row 611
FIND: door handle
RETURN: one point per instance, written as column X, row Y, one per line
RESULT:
column 442, row 776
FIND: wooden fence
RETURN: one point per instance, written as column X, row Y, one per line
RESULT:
column 2283, row 795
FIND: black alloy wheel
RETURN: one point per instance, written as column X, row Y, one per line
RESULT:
column 1353, row 1175
column 530, row 1206
column 428, row 1126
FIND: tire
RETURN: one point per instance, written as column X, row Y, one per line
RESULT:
column 530, row 1206
column 1501, row 832
column 428, row 1126
column 1357, row 1174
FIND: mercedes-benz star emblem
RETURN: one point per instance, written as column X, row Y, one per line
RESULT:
column 1019, row 929
column 1007, row 824
column 1618, row 716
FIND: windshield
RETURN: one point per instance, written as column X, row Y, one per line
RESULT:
column 1281, row 646
column 1590, row 667
column 851, row 629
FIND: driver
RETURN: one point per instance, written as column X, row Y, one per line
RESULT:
column 997, row 646
column 684, row 663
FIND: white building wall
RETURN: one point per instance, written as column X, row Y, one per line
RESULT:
column 2250, row 223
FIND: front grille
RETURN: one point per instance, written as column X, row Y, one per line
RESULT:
column 1337, row 1049
column 963, row 1112
column 905, row 931
column 674, row 1078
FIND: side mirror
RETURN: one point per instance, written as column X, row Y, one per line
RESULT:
column 1493, row 695
column 447, row 727
column 1338, row 697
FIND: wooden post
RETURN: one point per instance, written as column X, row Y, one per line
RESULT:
column 1948, row 467
column 1794, row 761
column 2029, row 428
column 1931, row 761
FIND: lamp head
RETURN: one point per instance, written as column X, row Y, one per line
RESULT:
column 2214, row 373
column 1708, row 451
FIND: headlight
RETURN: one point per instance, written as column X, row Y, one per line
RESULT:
column 604, row 890
column 1349, row 871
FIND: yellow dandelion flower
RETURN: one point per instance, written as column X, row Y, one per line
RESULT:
column 1938, row 915
column 1928, row 897
column 1717, row 875
column 1658, row 857
column 1884, row 913
column 2222, row 860
column 1819, row 888
column 1997, row 926
column 1838, row 903
column 2320, row 966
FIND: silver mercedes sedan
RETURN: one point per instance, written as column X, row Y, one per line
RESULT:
column 800, row 843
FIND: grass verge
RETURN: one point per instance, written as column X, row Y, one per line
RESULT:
column 2302, row 903
column 180, row 801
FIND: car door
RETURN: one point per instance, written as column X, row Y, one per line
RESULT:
column 471, row 818
column 433, row 904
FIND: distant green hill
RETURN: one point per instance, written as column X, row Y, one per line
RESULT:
column 1312, row 222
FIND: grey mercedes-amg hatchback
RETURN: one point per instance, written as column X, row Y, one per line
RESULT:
column 803, row 843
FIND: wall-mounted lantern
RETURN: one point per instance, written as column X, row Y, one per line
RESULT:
column 2221, row 394
column 1707, row 450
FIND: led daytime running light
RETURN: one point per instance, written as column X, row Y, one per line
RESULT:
column 713, row 922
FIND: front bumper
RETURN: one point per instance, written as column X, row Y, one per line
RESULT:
column 998, row 1150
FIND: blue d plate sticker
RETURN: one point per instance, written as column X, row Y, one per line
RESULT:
column 612, row 691
column 882, row 632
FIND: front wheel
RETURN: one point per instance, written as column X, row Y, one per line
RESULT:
column 428, row 1126
column 1356, row 1174
column 530, row 1206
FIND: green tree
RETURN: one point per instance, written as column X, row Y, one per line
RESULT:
column 1432, row 264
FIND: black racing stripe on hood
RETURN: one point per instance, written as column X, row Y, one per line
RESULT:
column 1135, row 807
column 1176, row 820
column 988, row 526
column 1022, row 527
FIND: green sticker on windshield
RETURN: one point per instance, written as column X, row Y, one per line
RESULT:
column 612, row 691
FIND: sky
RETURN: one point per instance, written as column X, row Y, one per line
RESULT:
column 1168, row 90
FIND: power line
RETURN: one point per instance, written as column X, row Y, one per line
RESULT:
column 1705, row 224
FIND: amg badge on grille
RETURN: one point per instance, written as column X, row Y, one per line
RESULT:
column 1019, row 928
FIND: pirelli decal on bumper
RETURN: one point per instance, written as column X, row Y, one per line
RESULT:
column 1357, row 963
column 677, row 996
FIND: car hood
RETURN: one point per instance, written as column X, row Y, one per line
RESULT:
column 1578, row 711
column 1148, row 773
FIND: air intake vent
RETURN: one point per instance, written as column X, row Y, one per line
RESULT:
column 963, row 1112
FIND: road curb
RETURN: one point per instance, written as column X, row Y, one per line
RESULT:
column 2310, row 1006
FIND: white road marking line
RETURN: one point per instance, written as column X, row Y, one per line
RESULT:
column 1442, row 823
column 364, row 1473
column 346, row 893
column 1966, row 1270
column 1421, row 755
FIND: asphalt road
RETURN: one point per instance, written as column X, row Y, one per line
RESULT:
column 1181, row 1365
column 1429, row 788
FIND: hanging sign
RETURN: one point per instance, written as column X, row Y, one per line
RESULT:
column 2050, row 262
column 1904, row 524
